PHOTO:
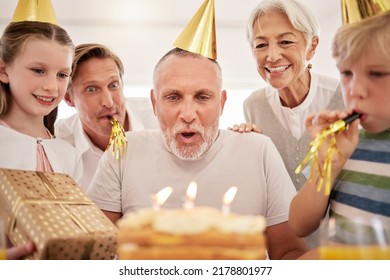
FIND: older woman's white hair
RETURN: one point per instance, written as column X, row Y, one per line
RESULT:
column 300, row 17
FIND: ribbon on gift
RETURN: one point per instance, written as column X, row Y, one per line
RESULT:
column 54, row 201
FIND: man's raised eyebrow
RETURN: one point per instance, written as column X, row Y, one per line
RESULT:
column 171, row 91
column 204, row 91
column 89, row 82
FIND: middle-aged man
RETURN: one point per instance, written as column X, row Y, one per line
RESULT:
column 96, row 91
column 188, row 100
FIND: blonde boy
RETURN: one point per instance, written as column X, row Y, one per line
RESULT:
column 361, row 192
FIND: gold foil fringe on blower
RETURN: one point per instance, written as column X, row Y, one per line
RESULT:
column 118, row 139
column 325, row 170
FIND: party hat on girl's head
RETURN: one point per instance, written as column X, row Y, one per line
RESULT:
column 199, row 35
column 356, row 10
column 35, row 10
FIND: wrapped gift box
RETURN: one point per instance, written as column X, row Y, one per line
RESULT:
column 52, row 211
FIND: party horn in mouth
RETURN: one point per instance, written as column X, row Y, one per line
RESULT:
column 118, row 139
column 316, row 144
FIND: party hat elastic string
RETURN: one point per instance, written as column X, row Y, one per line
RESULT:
column 118, row 139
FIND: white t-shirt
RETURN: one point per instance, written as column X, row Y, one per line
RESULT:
column 249, row 161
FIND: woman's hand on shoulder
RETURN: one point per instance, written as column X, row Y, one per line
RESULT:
column 246, row 127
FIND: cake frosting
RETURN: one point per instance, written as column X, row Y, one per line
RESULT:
column 198, row 233
column 193, row 221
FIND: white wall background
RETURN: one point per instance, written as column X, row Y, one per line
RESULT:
column 141, row 31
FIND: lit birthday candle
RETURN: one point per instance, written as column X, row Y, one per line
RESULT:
column 227, row 200
column 190, row 196
column 160, row 197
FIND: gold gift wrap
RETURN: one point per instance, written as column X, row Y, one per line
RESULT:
column 53, row 212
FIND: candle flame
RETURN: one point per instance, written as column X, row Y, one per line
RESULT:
column 163, row 195
column 229, row 195
column 191, row 190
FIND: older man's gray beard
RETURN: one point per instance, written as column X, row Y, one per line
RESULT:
column 190, row 152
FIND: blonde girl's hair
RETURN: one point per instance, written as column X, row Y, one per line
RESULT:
column 12, row 41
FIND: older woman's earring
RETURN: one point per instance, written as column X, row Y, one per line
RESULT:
column 309, row 66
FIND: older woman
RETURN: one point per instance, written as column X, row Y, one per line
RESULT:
column 283, row 35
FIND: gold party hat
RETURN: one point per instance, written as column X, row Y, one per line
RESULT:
column 199, row 34
column 356, row 10
column 35, row 10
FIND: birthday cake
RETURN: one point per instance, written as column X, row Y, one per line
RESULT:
column 198, row 233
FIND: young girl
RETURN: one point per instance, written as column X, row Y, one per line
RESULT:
column 361, row 194
column 35, row 63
